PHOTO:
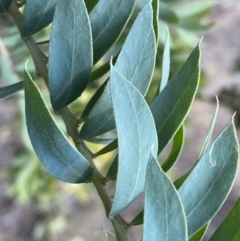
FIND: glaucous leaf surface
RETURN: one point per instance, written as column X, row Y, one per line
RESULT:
column 10, row 89
column 108, row 19
column 37, row 15
column 213, row 176
column 136, row 63
column 171, row 106
column 70, row 53
column 164, row 217
column 53, row 149
column 165, row 63
column 4, row 5
column 136, row 137
column 229, row 229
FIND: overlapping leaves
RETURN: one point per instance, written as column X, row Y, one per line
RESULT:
column 54, row 151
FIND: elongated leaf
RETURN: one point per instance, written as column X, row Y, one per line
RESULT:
column 90, row 4
column 171, row 106
column 134, row 144
column 168, row 15
column 110, row 147
column 88, row 108
column 177, row 145
column 54, row 151
column 164, row 217
column 209, row 135
column 198, row 236
column 108, row 20
column 37, row 15
column 210, row 182
column 4, row 5
column 10, row 89
column 165, row 63
column 229, row 229
column 136, row 63
column 70, row 53
column 195, row 9
column 155, row 6
column 113, row 169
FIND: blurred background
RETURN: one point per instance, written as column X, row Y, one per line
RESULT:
column 36, row 207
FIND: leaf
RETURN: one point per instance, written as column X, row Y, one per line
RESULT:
column 171, row 106
column 4, row 5
column 138, row 220
column 211, row 180
column 209, row 135
column 180, row 180
column 197, row 9
column 10, row 89
column 167, row 15
column 112, row 171
column 54, row 151
column 198, row 236
column 165, row 63
column 37, row 15
column 155, row 7
column 177, row 145
column 134, row 144
column 70, row 53
column 88, row 108
column 90, row 4
column 110, row 147
column 136, row 63
column 229, row 228
column 194, row 25
column 164, row 217
column 108, row 20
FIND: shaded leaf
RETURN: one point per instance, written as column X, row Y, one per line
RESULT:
column 164, row 217
column 37, row 15
column 90, row 4
column 198, row 236
column 194, row 25
column 4, row 5
column 108, row 19
column 10, row 89
column 229, row 229
column 136, row 63
column 70, row 53
column 53, row 149
column 169, row 110
column 167, row 15
column 113, row 169
column 110, row 147
column 155, row 7
column 197, row 9
column 177, row 145
column 138, row 220
column 213, row 176
column 134, row 144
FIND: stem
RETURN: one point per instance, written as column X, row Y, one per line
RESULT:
column 70, row 121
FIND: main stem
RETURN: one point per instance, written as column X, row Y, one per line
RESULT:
column 71, row 124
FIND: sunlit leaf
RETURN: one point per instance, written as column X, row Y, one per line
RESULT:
column 134, row 144
column 108, row 19
column 213, row 176
column 54, row 151
column 136, row 63
column 70, row 53
column 169, row 110
column 229, row 229
column 164, row 217
column 37, row 15
column 10, row 89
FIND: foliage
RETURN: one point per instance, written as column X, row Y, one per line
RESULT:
column 78, row 44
